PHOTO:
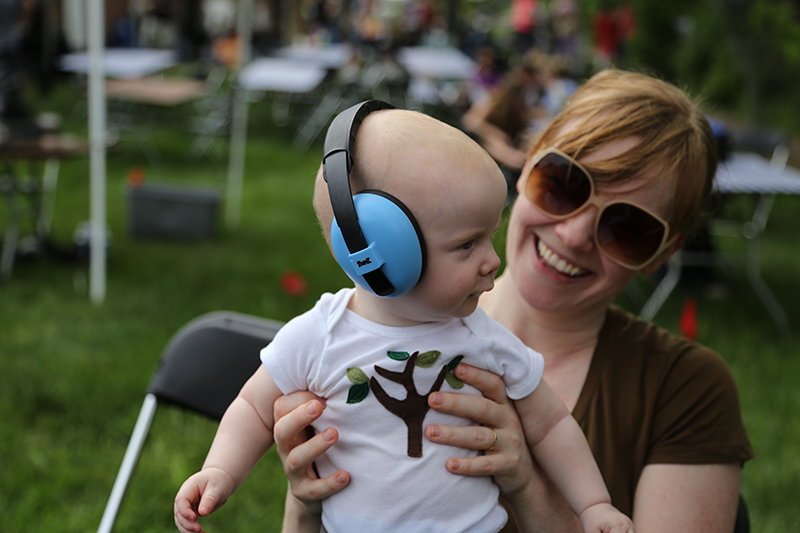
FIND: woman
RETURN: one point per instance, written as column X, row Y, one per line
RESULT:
column 502, row 121
column 611, row 188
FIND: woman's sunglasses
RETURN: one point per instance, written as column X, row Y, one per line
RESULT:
column 626, row 233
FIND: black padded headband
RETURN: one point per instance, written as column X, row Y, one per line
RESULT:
column 336, row 164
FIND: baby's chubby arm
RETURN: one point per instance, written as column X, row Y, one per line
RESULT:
column 243, row 436
column 559, row 446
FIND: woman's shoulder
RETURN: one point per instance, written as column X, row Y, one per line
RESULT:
column 678, row 395
column 655, row 348
column 629, row 328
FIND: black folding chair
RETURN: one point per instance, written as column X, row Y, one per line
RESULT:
column 742, row 524
column 202, row 369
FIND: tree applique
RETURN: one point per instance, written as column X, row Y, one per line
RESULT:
column 413, row 408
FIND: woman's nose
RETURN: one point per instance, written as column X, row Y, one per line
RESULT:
column 577, row 231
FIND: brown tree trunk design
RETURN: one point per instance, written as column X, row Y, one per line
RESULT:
column 414, row 407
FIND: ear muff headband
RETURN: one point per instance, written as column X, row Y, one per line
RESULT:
column 389, row 259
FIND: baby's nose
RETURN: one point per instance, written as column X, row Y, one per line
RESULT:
column 491, row 264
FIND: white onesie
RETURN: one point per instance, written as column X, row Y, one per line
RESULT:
column 365, row 372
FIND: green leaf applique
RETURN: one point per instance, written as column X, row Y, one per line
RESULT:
column 453, row 381
column 360, row 389
column 428, row 359
column 398, row 356
column 356, row 375
column 451, row 378
column 454, row 362
column 358, row 392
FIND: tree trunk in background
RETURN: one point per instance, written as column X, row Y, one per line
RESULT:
column 746, row 45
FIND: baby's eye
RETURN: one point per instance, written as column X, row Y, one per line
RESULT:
column 467, row 245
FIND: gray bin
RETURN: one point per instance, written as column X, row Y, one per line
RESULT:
column 173, row 212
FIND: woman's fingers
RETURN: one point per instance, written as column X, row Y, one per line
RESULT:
column 298, row 452
column 500, row 436
column 483, row 465
column 489, row 409
column 301, row 457
column 288, row 403
column 299, row 468
column 292, row 427
column 472, row 437
column 311, row 491
column 489, row 383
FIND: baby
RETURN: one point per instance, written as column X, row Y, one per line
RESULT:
column 417, row 240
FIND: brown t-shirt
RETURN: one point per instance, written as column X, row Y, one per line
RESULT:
column 652, row 397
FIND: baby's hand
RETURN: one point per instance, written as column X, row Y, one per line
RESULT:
column 201, row 495
column 604, row 518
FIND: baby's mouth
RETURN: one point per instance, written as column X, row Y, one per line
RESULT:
column 557, row 263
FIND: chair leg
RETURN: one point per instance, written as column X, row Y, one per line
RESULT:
column 663, row 290
column 146, row 414
column 9, row 250
column 762, row 290
column 742, row 524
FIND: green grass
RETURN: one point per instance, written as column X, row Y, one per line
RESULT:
column 75, row 372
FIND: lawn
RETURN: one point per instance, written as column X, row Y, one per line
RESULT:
column 76, row 371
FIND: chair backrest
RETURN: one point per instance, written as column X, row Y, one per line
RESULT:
column 208, row 360
column 742, row 524
column 202, row 369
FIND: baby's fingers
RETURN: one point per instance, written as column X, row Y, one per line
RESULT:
column 209, row 502
column 603, row 518
column 619, row 528
column 185, row 515
column 214, row 496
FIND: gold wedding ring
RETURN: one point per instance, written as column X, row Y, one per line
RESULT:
column 490, row 448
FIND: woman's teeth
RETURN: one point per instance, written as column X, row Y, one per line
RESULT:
column 557, row 263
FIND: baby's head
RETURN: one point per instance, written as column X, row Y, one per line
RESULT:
column 449, row 183
column 411, row 156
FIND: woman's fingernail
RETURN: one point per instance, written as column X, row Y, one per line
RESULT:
column 311, row 408
column 435, row 431
column 461, row 370
column 327, row 435
column 341, row 479
column 436, row 398
column 453, row 465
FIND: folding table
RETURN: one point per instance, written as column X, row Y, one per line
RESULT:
column 742, row 173
column 432, row 67
column 267, row 74
column 332, row 56
column 39, row 191
column 280, row 74
column 123, row 63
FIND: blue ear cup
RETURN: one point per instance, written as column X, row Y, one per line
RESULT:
column 395, row 243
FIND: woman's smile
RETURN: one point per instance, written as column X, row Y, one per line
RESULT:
column 556, row 262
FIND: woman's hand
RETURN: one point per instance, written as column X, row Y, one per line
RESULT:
column 535, row 501
column 298, row 450
column 508, row 459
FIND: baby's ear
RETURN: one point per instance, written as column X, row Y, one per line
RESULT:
column 665, row 255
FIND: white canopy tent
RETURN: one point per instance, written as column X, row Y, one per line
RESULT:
column 95, row 26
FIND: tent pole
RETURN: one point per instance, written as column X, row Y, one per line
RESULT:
column 233, row 205
column 97, row 150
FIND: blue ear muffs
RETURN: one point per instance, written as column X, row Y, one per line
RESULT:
column 374, row 237
column 394, row 243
